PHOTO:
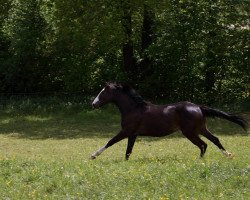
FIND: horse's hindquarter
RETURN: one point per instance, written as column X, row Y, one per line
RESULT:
column 158, row 121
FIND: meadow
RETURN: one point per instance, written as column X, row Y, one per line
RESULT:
column 45, row 146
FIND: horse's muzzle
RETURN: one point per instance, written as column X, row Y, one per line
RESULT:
column 95, row 105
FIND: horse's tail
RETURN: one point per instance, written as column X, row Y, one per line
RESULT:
column 210, row 112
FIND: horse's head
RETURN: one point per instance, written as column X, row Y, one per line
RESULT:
column 106, row 95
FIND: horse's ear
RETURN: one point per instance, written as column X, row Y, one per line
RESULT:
column 113, row 85
column 107, row 84
column 110, row 85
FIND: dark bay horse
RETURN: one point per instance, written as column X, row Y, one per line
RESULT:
column 140, row 118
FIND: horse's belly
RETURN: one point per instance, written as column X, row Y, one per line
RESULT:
column 156, row 129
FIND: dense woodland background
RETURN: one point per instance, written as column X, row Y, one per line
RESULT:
column 171, row 49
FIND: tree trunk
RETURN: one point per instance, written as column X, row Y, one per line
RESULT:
column 137, row 70
column 145, row 64
column 129, row 61
column 147, row 28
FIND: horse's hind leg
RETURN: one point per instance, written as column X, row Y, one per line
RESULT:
column 194, row 138
column 216, row 141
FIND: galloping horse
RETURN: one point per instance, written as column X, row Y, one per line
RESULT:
column 141, row 118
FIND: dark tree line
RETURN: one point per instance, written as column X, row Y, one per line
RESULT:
column 177, row 50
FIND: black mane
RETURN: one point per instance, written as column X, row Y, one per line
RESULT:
column 133, row 95
column 129, row 91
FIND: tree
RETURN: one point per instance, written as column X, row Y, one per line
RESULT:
column 24, row 28
column 172, row 49
column 4, row 42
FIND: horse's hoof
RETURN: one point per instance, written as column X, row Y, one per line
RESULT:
column 227, row 154
column 230, row 156
column 92, row 157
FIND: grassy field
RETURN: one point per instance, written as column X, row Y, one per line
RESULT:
column 45, row 149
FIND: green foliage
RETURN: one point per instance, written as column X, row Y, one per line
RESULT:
column 179, row 50
column 24, row 29
column 195, row 48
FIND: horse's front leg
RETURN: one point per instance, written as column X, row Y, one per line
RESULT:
column 131, row 142
column 120, row 136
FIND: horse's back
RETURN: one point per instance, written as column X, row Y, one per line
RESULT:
column 161, row 120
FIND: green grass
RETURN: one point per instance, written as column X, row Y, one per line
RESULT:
column 45, row 149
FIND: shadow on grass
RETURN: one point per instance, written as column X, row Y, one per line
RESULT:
column 84, row 124
column 74, row 121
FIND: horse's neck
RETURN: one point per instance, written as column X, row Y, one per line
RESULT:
column 125, row 104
